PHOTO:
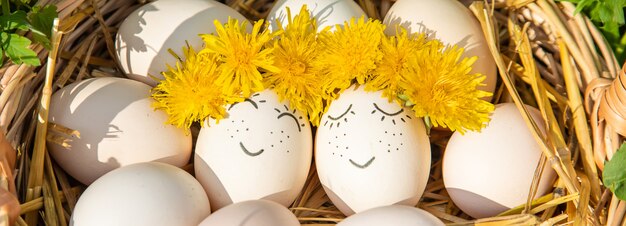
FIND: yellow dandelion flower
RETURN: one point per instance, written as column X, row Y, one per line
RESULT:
column 397, row 51
column 349, row 53
column 443, row 89
column 241, row 55
column 294, row 54
column 188, row 93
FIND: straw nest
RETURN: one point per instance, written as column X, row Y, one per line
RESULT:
column 547, row 57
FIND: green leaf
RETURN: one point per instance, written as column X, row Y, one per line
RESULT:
column 41, row 23
column 614, row 175
column 16, row 48
column 16, row 20
column 582, row 5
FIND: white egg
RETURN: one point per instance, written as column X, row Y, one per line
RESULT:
column 326, row 12
column 395, row 215
column 117, row 126
column 252, row 213
column 262, row 150
column 450, row 22
column 495, row 167
column 143, row 39
column 370, row 152
column 143, row 194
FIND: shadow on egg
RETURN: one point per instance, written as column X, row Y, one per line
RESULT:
column 323, row 11
column 212, row 185
column 136, row 43
column 321, row 15
column 129, row 42
column 219, row 196
column 104, row 111
column 474, row 204
column 98, row 118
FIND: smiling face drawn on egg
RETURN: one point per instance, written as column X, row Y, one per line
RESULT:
column 261, row 144
column 282, row 112
column 367, row 145
column 395, row 113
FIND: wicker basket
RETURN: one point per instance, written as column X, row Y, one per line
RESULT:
column 547, row 57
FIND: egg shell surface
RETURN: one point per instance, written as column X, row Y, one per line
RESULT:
column 450, row 22
column 117, row 127
column 262, row 150
column 326, row 12
column 143, row 39
column 370, row 152
column 495, row 167
column 143, row 194
column 252, row 213
column 396, row 215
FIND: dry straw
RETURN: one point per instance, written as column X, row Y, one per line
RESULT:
column 547, row 57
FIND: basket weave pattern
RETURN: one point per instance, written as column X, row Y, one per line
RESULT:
column 547, row 57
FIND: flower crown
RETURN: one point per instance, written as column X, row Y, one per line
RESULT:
column 310, row 69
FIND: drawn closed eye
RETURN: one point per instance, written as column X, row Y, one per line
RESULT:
column 388, row 114
column 291, row 115
column 338, row 118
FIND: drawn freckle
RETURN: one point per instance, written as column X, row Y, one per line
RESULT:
column 400, row 134
column 346, row 148
column 281, row 141
column 397, row 149
column 247, row 129
column 271, row 132
column 388, row 145
column 388, row 151
column 394, row 134
column 385, row 131
column 287, row 136
column 272, row 145
column 302, row 125
column 300, row 117
column 282, row 131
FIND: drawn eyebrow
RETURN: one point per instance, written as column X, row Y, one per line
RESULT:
column 386, row 113
column 340, row 116
column 246, row 100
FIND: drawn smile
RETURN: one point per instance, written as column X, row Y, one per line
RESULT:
column 368, row 163
column 245, row 150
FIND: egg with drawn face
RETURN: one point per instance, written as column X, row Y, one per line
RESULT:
column 261, row 150
column 370, row 152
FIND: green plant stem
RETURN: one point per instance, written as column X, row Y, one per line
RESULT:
column 5, row 8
